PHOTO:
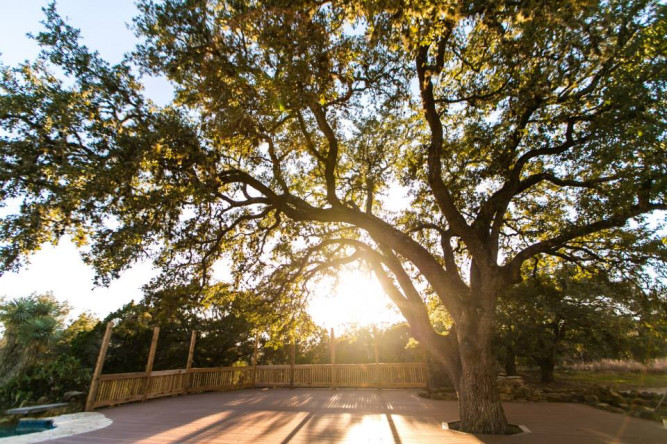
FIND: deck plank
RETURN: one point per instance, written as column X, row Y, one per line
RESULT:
column 351, row 416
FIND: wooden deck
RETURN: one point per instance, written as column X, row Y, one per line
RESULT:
column 356, row 416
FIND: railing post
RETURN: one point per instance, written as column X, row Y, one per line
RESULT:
column 332, row 347
column 254, row 361
column 377, row 359
column 428, row 372
column 95, row 382
column 188, row 365
column 149, row 364
column 291, row 363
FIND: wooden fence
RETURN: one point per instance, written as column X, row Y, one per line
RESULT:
column 121, row 388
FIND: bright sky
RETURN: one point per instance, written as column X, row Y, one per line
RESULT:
column 357, row 299
column 59, row 269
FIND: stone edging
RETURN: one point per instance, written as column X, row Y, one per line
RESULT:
column 524, row 430
column 65, row 425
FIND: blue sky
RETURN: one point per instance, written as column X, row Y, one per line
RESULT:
column 59, row 269
column 103, row 25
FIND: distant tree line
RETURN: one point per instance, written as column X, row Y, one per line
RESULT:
column 560, row 314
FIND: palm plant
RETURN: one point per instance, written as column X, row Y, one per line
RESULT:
column 31, row 324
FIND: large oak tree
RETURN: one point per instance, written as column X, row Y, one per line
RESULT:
column 441, row 143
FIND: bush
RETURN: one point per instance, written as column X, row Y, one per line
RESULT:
column 49, row 380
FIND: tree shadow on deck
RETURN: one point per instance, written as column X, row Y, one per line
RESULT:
column 313, row 416
column 322, row 415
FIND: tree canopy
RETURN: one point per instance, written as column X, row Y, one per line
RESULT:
column 441, row 144
column 564, row 313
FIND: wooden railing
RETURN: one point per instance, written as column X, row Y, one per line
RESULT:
column 128, row 387
column 399, row 375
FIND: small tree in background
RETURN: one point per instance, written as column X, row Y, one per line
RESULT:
column 37, row 358
column 32, row 325
column 564, row 313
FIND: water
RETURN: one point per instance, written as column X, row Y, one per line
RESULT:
column 26, row 426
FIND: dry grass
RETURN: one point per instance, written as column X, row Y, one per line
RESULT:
column 622, row 366
column 619, row 380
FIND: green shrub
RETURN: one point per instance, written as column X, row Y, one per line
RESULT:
column 51, row 379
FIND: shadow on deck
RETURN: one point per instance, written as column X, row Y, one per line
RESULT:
column 355, row 416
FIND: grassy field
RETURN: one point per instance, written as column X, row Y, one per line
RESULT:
column 619, row 380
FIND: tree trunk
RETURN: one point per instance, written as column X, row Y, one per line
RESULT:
column 510, row 361
column 472, row 371
column 479, row 404
column 467, row 354
column 548, row 361
column 547, row 370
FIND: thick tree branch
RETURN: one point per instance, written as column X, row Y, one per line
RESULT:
column 533, row 180
column 331, row 159
column 275, row 165
column 512, row 269
column 440, row 191
column 443, row 347
column 447, row 285
column 451, row 267
column 479, row 97
column 495, row 207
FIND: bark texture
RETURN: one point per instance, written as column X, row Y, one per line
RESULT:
column 479, row 404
